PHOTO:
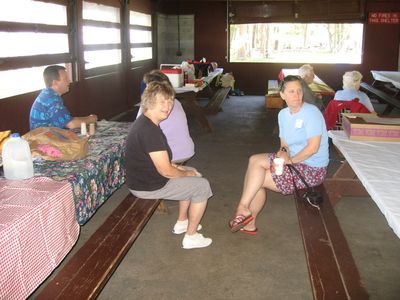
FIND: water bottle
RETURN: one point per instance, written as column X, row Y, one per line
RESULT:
column 17, row 158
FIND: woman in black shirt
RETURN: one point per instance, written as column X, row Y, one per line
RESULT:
column 150, row 173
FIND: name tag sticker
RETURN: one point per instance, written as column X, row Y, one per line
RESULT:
column 299, row 123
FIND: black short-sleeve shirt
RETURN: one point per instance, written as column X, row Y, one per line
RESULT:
column 144, row 137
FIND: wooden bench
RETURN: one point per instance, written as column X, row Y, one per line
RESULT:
column 87, row 272
column 211, row 86
column 333, row 272
column 391, row 102
column 215, row 103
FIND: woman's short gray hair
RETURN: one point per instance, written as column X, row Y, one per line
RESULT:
column 352, row 80
column 306, row 69
column 155, row 75
column 154, row 88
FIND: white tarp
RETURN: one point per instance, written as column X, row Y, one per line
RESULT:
column 377, row 166
column 387, row 76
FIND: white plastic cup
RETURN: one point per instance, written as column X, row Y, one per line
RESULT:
column 278, row 164
column 83, row 128
column 17, row 158
column 92, row 129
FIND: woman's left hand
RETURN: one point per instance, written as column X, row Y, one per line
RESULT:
column 192, row 171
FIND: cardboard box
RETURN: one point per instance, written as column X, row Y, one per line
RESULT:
column 274, row 101
column 370, row 127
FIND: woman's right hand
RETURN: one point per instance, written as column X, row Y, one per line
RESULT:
column 283, row 154
column 190, row 173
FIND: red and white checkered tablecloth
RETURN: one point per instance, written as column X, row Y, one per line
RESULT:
column 37, row 229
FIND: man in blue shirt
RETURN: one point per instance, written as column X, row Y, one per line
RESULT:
column 48, row 110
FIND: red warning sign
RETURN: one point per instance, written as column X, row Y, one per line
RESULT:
column 384, row 18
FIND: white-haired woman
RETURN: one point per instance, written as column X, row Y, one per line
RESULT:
column 351, row 90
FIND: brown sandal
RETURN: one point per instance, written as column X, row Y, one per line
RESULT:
column 239, row 221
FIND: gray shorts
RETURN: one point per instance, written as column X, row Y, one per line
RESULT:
column 195, row 189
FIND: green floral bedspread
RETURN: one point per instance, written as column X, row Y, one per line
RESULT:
column 96, row 177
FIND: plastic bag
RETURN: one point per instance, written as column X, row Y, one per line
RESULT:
column 188, row 69
column 227, row 80
column 53, row 143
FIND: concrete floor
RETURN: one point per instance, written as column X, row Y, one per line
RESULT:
column 270, row 265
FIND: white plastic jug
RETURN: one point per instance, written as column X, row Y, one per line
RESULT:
column 17, row 158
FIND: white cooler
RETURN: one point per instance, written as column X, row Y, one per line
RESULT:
column 174, row 73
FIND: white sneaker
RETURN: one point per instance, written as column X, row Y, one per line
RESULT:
column 195, row 241
column 181, row 227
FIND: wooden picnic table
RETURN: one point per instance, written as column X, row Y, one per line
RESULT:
column 187, row 95
column 382, row 96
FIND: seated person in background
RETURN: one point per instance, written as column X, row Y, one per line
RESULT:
column 48, row 110
column 351, row 90
column 150, row 173
column 175, row 127
column 306, row 72
column 227, row 80
column 303, row 143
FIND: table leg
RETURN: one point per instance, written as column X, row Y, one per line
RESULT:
column 192, row 108
column 344, row 183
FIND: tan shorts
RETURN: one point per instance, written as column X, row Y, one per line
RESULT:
column 195, row 189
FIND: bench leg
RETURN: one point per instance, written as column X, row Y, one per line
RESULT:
column 345, row 171
column 162, row 208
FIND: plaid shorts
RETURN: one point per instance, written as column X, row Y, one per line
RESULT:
column 313, row 176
